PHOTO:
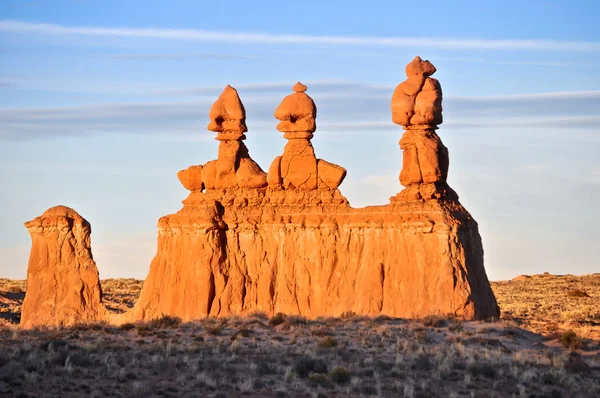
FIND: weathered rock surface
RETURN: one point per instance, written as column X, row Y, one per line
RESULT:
column 417, row 106
column 310, row 253
column 288, row 241
column 233, row 168
column 298, row 167
column 298, row 247
column 62, row 279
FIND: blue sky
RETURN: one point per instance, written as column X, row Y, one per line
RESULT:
column 102, row 102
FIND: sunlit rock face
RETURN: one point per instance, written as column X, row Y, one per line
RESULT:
column 288, row 240
column 62, row 278
column 298, row 247
column 238, row 252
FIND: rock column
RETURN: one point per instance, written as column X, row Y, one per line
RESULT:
column 298, row 167
column 63, row 286
column 417, row 107
column 233, row 167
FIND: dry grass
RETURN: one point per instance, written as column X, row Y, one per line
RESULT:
column 289, row 356
column 551, row 304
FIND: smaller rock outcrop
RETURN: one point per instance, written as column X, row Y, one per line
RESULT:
column 417, row 106
column 298, row 167
column 63, row 286
column 233, row 168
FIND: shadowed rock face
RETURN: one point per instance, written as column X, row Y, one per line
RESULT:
column 62, row 278
column 288, row 241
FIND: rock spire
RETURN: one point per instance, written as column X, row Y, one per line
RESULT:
column 287, row 241
column 233, row 167
column 298, row 167
column 417, row 106
column 62, row 279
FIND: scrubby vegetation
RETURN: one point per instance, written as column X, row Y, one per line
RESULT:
column 330, row 357
column 290, row 356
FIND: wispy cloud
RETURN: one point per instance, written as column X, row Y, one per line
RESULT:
column 176, row 56
column 343, row 107
column 269, row 38
column 333, row 87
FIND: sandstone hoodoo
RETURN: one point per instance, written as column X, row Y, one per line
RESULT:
column 62, row 279
column 288, row 241
column 233, row 167
column 417, row 106
column 296, row 246
column 298, row 167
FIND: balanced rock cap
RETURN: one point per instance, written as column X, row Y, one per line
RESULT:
column 227, row 113
column 299, row 87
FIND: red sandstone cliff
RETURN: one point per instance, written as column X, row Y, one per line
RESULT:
column 298, row 247
column 407, row 259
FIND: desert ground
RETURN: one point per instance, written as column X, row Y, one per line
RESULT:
column 546, row 344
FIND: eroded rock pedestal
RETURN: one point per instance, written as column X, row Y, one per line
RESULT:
column 298, row 247
column 62, row 278
column 417, row 106
column 235, row 252
column 287, row 240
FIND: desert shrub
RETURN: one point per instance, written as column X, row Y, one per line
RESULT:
column 436, row 321
column 570, row 340
column 277, row 319
column 422, row 336
column 327, row 342
column 319, row 379
column 307, row 365
column 422, row 363
column 95, row 326
column 14, row 289
column 576, row 364
column 258, row 315
column 381, row 319
column 164, row 322
column 244, row 332
column 456, row 325
column 213, row 329
column 482, row 369
column 577, row 293
column 127, row 326
column 53, row 345
column 340, row 375
column 296, row 320
column 320, row 331
column 198, row 338
column 11, row 372
column 348, row 315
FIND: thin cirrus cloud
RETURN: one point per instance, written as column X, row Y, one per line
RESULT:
column 177, row 56
column 13, row 26
column 343, row 106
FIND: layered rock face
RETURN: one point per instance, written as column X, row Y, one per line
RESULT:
column 297, row 247
column 237, row 252
column 287, row 240
column 62, row 278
